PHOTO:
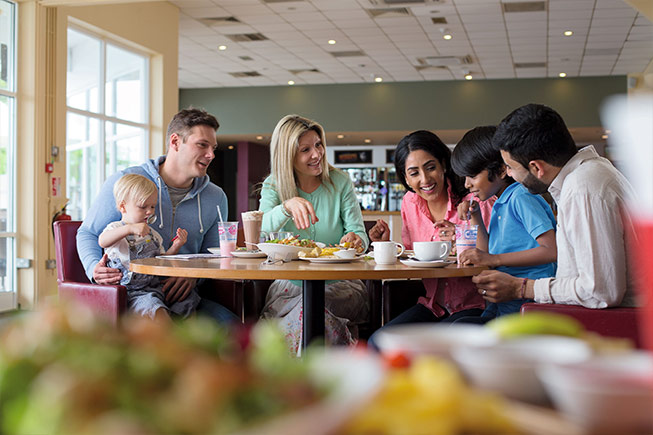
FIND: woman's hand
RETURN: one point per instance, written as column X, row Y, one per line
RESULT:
column 446, row 230
column 478, row 257
column 380, row 232
column 354, row 241
column 302, row 212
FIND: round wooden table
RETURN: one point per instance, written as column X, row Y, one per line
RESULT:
column 313, row 276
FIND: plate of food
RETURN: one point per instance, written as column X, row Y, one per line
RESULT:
column 331, row 259
column 289, row 248
column 414, row 262
column 244, row 253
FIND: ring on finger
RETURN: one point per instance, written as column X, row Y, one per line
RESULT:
column 484, row 292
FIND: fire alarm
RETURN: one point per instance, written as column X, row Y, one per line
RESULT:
column 49, row 168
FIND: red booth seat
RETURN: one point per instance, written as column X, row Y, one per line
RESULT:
column 620, row 322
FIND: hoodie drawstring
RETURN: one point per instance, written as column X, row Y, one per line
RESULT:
column 158, row 179
column 199, row 214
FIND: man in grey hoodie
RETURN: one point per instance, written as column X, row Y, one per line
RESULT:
column 187, row 199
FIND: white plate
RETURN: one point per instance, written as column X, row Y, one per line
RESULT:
column 417, row 263
column 331, row 259
column 278, row 251
column 249, row 254
column 215, row 251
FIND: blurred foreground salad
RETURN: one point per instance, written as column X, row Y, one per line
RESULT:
column 61, row 371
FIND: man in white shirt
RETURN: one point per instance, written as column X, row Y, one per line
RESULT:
column 592, row 221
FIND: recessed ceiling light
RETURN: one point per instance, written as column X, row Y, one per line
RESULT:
column 562, row 75
column 608, row 131
column 568, row 33
column 291, row 82
column 378, row 79
column 368, row 140
column 340, row 136
column 230, row 147
column 605, row 136
column 331, row 41
column 222, row 47
column 468, row 76
column 259, row 137
column 447, row 36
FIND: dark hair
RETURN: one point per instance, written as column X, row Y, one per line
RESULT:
column 429, row 142
column 186, row 119
column 475, row 153
column 535, row 132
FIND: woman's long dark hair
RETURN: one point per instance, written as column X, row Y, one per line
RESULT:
column 429, row 142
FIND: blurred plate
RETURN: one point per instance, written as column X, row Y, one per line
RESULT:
column 353, row 376
column 215, row 251
column 249, row 254
column 418, row 263
column 331, row 259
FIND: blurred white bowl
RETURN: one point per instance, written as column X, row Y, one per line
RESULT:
column 432, row 338
column 278, row 251
column 609, row 394
column 215, row 251
column 509, row 366
column 345, row 253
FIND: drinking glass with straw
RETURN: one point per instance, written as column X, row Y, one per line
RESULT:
column 228, row 232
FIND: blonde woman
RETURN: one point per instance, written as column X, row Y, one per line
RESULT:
column 307, row 196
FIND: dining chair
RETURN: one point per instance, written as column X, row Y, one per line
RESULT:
column 619, row 322
column 108, row 301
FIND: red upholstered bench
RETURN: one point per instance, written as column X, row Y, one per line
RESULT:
column 620, row 322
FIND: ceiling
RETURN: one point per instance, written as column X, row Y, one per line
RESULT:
column 274, row 42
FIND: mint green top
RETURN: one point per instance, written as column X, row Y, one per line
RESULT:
column 336, row 207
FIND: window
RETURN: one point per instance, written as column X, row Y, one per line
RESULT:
column 107, row 116
column 7, row 155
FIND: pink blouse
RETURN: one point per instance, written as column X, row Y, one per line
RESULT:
column 451, row 294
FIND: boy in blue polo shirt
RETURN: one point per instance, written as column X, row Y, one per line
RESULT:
column 521, row 237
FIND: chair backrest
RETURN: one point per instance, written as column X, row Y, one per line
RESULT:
column 69, row 267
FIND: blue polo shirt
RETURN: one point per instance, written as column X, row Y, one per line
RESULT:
column 518, row 218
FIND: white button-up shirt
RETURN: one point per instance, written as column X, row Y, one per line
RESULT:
column 592, row 225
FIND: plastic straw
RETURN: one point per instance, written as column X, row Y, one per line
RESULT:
column 219, row 213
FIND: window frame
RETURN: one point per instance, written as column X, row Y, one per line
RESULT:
column 101, row 117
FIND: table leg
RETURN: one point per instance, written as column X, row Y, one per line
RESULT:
column 313, row 324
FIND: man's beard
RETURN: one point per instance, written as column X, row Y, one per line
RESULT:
column 534, row 185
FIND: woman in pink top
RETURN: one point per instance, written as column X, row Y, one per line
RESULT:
column 429, row 211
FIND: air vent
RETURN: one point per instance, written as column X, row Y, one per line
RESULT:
column 383, row 3
column 430, row 68
column 220, row 21
column 530, row 65
column 535, row 6
column 439, row 20
column 352, row 53
column 304, row 71
column 242, row 74
column 247, row 37
column 280, row 1
column 602, row 51
column 389, row 13
column 245, row 58
column 445, row 60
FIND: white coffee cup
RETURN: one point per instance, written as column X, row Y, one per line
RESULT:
column 431, row 251
column 386, row 252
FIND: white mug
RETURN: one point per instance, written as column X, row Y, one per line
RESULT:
column 386, row 252
column 431, row 251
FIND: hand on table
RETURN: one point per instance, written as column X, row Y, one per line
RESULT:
column 106, row 275
column 477, row 257
column 354, row 240
column 302, row 212
column 380, row 232
column 177, row 288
